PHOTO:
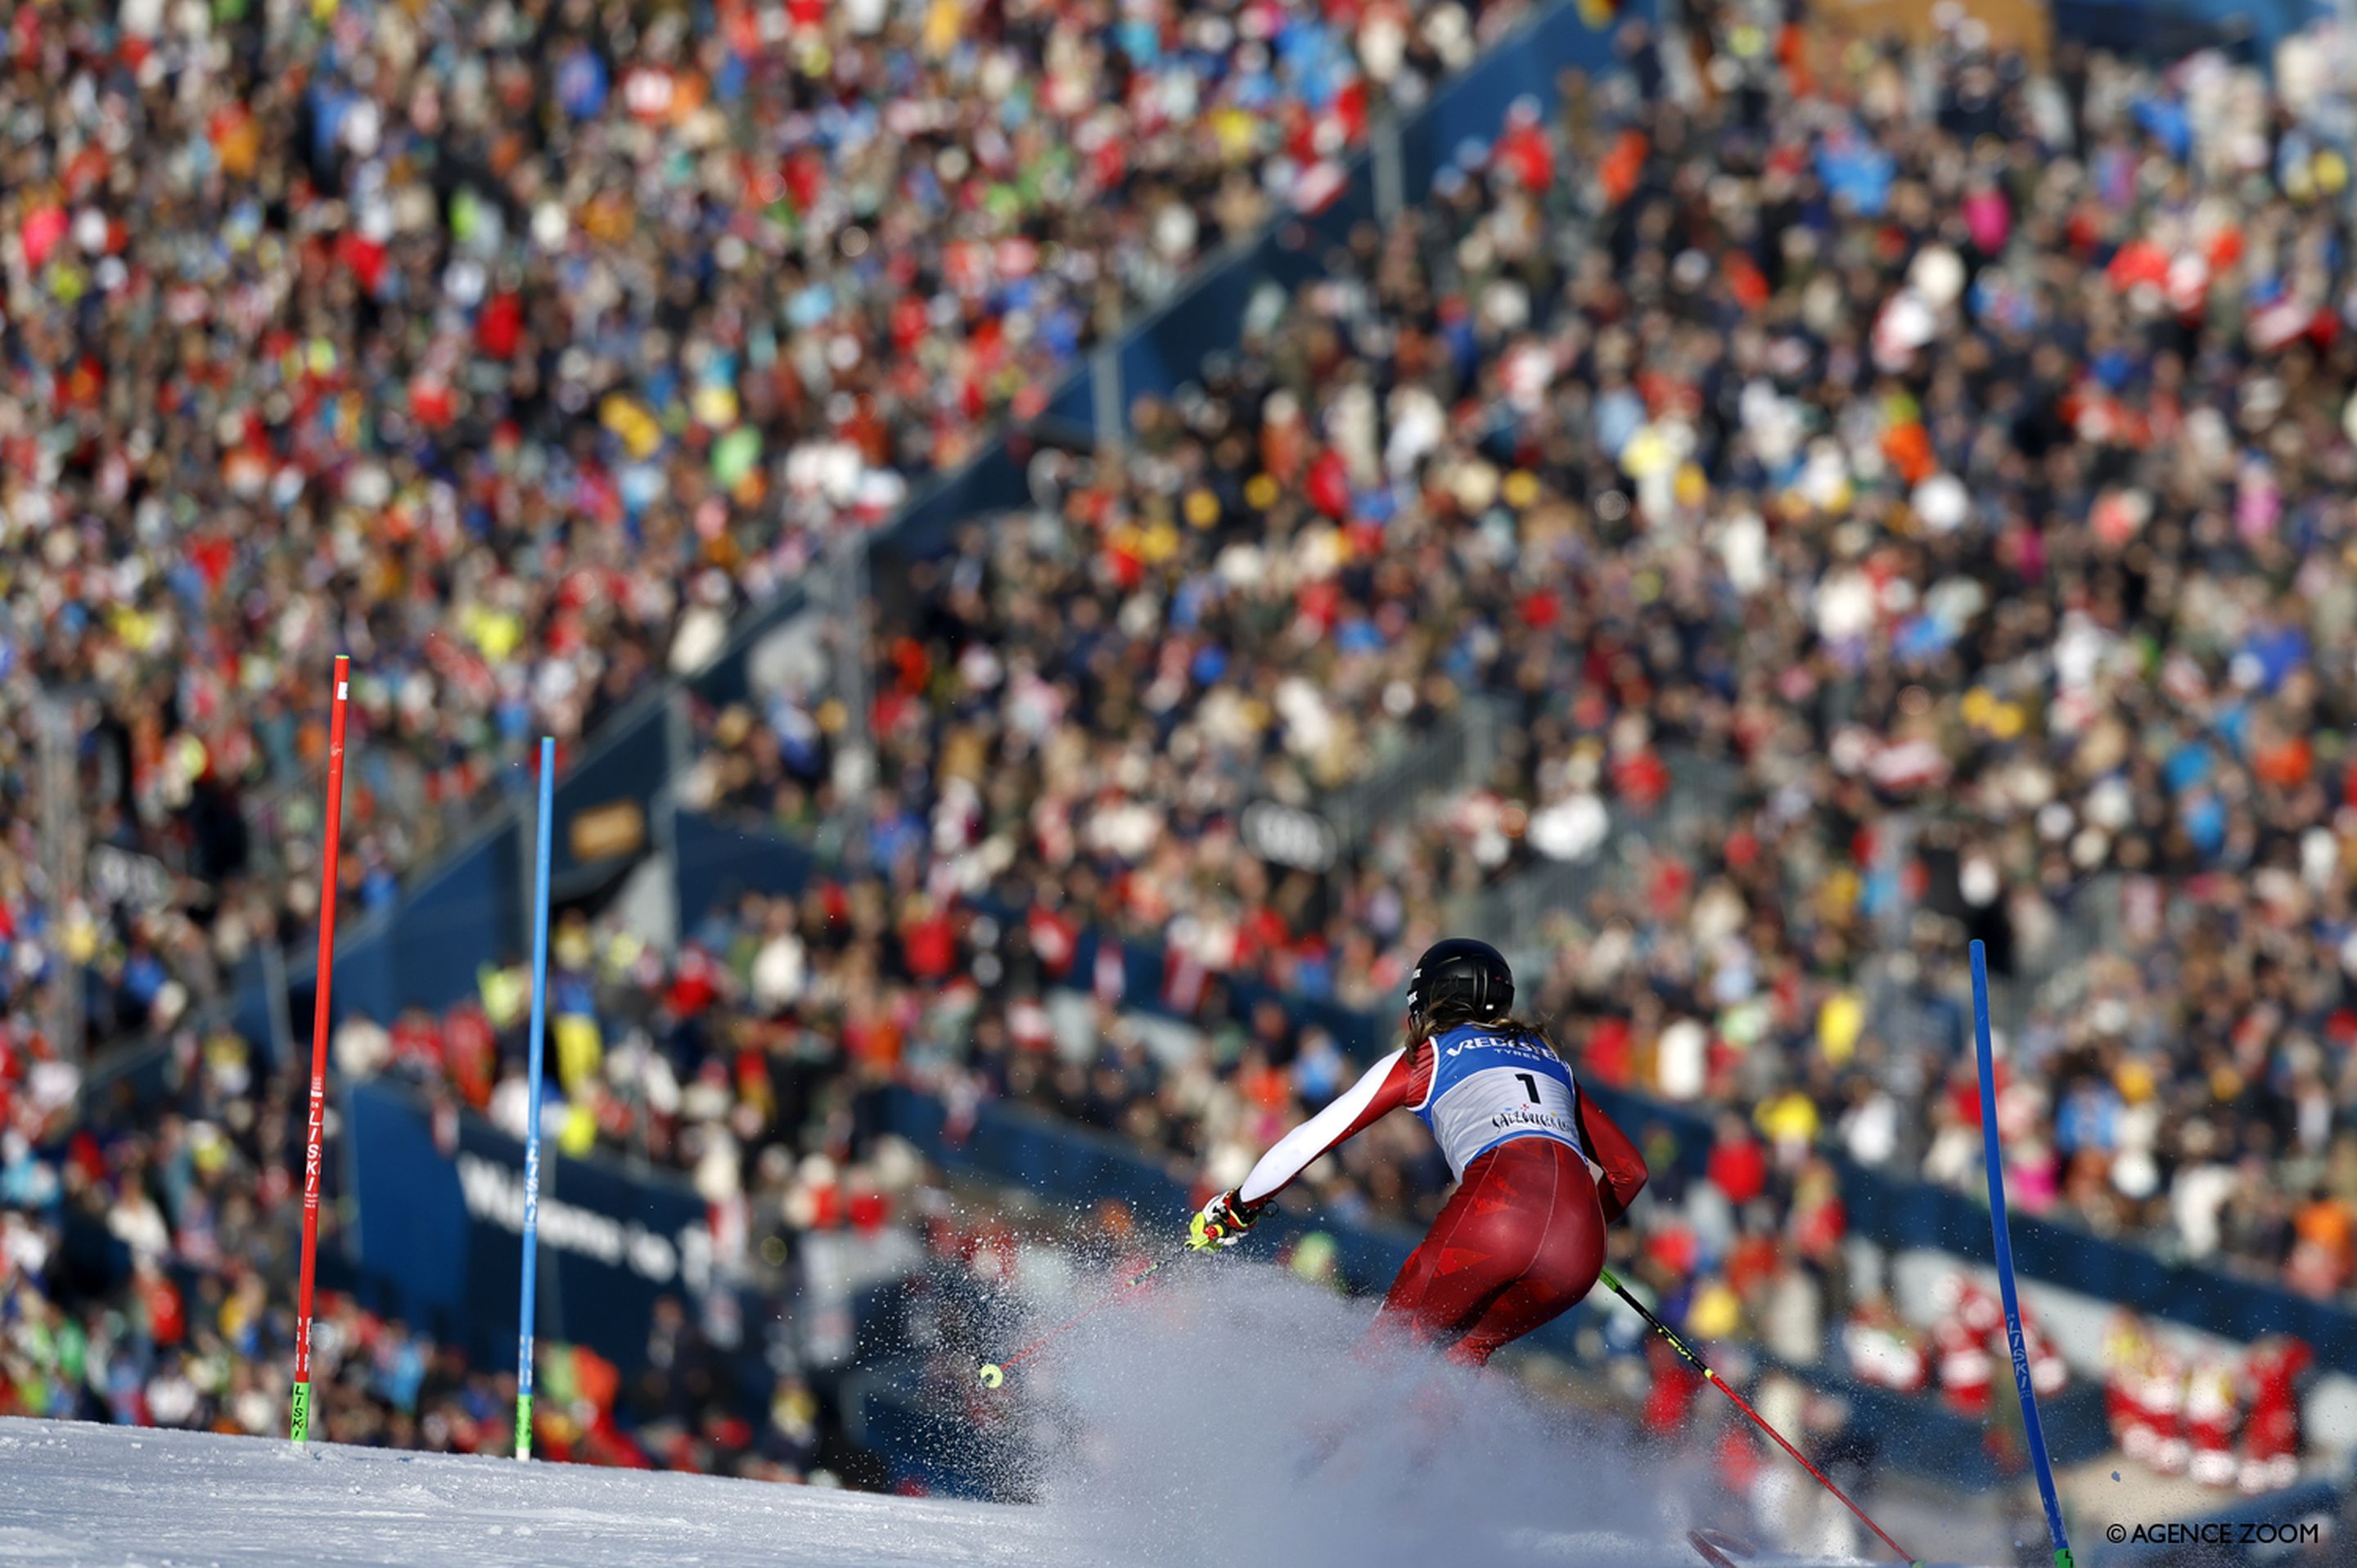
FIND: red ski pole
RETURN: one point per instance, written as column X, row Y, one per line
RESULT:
column 1745, row 1406
column 299, row 1417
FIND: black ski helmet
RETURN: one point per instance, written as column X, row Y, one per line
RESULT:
column 1460, row 977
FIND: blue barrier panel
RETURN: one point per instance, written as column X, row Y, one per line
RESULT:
column 715, row 863
column 2166, row 31
column 1366, row 1035
column 942, row 1458
column 1065, row 1163
column 412, row 1228
column 1637, row 1116
column 249, row 1005
column 1168, row 350
column 1076, row 403
column 1899, row 1211
column 437, row 1239
column 423, row 952
column 1473, row 109
column 1894, row 1209
column 724, row 679
column 992, row 482
column 629, row 762
column 364, row 977
column 472, row 915
column 1044, row 1157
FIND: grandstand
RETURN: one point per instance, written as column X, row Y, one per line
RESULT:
column 1063, row 544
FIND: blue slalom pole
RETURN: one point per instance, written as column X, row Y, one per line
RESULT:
column 532, row 1133
column 2003, row 1234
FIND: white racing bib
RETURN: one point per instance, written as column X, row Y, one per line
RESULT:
column 1488, row 1088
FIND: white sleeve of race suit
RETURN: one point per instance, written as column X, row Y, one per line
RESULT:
column 1298, row 1149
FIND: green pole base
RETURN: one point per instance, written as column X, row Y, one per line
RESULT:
column 298, row 1421
column 523, row 1429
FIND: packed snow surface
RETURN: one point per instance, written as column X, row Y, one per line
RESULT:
column 75, row 1493
column 1231, row 1420
column 72, row 1493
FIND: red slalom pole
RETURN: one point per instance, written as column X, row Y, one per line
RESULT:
column 1745, row 1406
column 299, row 1417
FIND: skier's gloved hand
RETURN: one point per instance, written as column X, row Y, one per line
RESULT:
column 1223, row 1221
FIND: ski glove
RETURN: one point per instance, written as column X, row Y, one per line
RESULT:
column 1224, row 1222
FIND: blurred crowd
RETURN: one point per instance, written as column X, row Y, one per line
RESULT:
column 148, row 1252
column 511, row 349
column 147, row 1277
column 1948, row 460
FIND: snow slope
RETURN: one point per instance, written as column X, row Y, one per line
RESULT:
column 1236, row 1417
column 72, row 1493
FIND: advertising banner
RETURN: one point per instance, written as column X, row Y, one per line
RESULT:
column 440, row 1225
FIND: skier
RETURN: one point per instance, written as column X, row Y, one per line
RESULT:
column 1540, row 1169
